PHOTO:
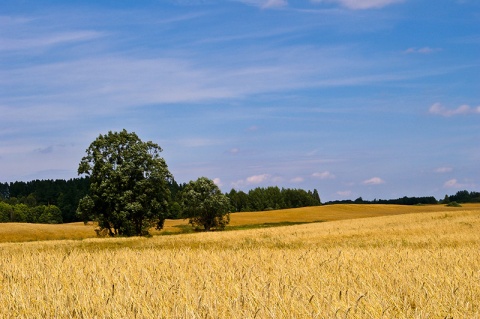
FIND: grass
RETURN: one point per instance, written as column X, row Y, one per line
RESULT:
column 424, row 264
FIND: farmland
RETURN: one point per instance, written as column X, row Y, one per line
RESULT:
column 349, row 261
column 20, row 232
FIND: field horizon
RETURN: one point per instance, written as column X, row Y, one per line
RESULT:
column 24, row 232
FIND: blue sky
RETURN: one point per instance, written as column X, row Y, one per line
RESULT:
column 371, row 98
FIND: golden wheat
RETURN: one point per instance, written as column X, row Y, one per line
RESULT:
column 406, row 266
column 19, row 232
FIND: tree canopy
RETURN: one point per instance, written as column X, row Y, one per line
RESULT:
column 272, row 197
column 205, row 205
column 129, row 190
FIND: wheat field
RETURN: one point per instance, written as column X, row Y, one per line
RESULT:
column 22, row 232
column 416, row 265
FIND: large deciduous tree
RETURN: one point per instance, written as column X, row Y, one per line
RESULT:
column 128, row 184
column 205, row 205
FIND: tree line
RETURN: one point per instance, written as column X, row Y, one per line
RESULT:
column 426, row 200
column 24, row 201
column 22, row 213
column 42, row 201
column 270, row 198
column 462, row 196
column 56, row 201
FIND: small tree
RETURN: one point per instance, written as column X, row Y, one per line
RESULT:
column 205, row 205
column 128, row 184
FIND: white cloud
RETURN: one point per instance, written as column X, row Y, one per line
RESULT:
column 443, row 169
column 266, row 4
column 439, row 109
column 324, row 175
column 344, row 193
column 362, row 4
column 454, row 183
column 257, row 179
column 424, row 50
column 275, row 3
column 374, row 181
column 217, row 182
column 297, row 180
column 277, row 179
column 234, row 151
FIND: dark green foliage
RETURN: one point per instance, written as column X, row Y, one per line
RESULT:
column 429, row 200
column 61, row 193
column 446, row 200
column 270, row 198
column 22, row 213
column 465, row 197
column 6, row 212
column 4, row 191
column 239, row 201
column 204, row 205
column 129, row 190
column 175, row 211
column 453, row 204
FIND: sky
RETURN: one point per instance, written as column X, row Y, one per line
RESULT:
column 354, row 98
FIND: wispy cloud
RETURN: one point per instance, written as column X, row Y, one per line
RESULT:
column 444, row 169
column 454, row 183
column 297, row 179
column 7, row 44
column 128, row 82
column 374, row 181
column 217, row 181
column 257, row 179
column 344, row 193
column 361, row 4
column 424, row 50
column 234, row 151
column 252, row 180
column 45, row 150
column 266, row 4
column 323, row 175
column 438, row 109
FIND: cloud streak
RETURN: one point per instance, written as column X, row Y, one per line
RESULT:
column 442, row 170
column 252, row 180
column 257, row 179
column 7, row 44
column 438, row 109
column 374, row 181
column 454, row 183
column 266, row 4
column 361, row 4
column 424, row 50
column 324, row 175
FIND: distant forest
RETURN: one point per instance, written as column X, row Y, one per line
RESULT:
column 460, row 197
column 56, row 201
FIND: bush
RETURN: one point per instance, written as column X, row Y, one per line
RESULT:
column 453, row 204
